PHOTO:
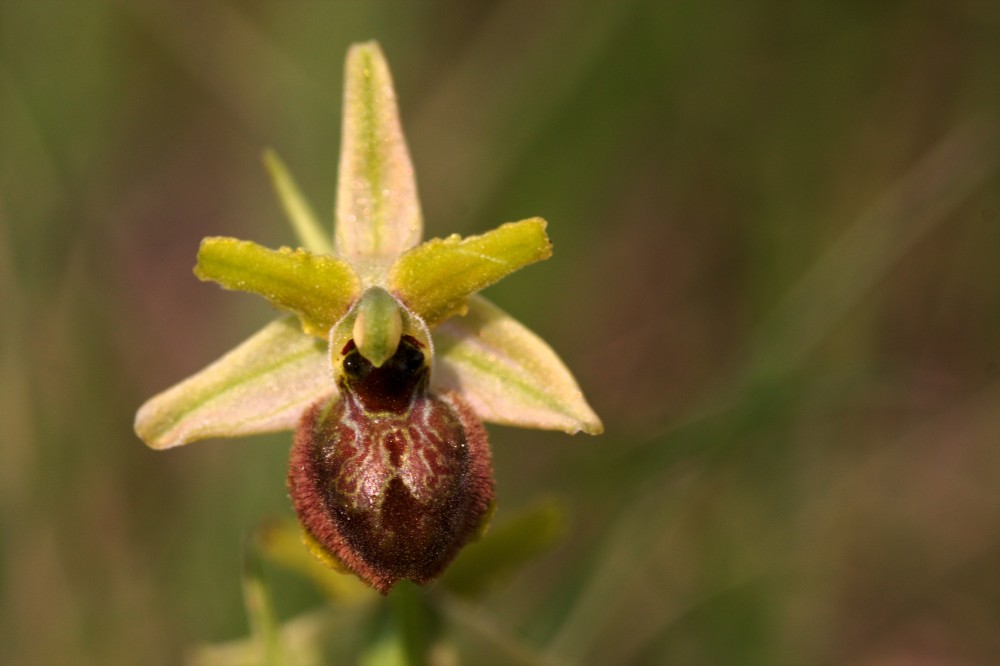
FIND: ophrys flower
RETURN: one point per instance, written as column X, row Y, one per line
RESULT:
column 392, row 364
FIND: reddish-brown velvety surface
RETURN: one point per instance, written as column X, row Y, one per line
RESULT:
column 393, row 493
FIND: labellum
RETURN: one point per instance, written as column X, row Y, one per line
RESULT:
column 390, row 479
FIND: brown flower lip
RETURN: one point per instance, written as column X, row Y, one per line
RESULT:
column 391, row 479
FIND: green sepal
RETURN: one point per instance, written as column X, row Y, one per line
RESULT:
column 435, row 278
column 378, row 210
column 318, row 288
column 263, row 385
column 508, row 374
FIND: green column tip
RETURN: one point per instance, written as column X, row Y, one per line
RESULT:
column 379, row 326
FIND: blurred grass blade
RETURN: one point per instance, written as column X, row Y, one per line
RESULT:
column 435, row 278
column 260, row 610
column 905, row 213
column 619, row 563
column 505, row 549
column 318, row 288
column 916, row 203
column 299, row 212
column 480, row 634
column 263, row 385
column 507, row 374
column 378, row 211
column 17, row 414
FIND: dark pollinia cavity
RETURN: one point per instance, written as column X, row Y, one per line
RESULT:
column 391, row 479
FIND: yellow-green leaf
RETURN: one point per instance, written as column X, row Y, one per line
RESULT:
column 378, row 211
column 263, row 385
column 435, row 279
column 507, row 374
column 318, row 288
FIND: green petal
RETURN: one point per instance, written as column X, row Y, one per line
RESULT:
column 318, row 288
column 263, row 385
column 296, row 207
column 507, row 374
column 378, row 212
column 435, row 279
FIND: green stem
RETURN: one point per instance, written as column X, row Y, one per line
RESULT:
column 406, row 630
column 260, row 611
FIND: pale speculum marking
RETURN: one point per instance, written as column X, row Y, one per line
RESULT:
column 409, row 446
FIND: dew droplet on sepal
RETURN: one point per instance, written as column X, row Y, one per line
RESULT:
column 391, row 479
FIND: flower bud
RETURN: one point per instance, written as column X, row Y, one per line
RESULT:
column 391, row 479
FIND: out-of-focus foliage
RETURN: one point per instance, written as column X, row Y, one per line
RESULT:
column 775, row 228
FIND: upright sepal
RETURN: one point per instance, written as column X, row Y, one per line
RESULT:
column 507, row 374
column 263, row 385
column 378, row 211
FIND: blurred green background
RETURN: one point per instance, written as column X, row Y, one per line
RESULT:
column 776, row 276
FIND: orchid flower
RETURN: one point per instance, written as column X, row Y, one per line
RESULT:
column 387, row 363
